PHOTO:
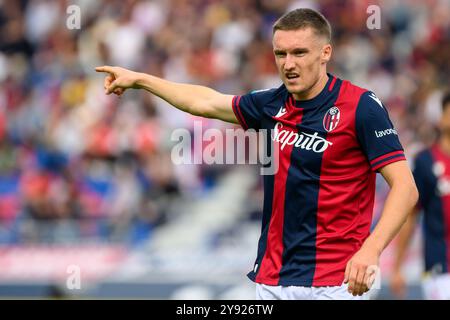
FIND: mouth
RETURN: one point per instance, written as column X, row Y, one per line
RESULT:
column 291, row 76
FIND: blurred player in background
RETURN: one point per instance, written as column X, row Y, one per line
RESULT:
column 432, row 175
column 332, row 137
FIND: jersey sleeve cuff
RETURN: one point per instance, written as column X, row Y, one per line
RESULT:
column 386, row 159
column 237, row 112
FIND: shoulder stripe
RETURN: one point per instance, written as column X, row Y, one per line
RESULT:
column 237, row 111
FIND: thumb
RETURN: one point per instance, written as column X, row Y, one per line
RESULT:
column 113, row 86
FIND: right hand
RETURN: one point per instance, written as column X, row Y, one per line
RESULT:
column 398, row 284
column 118, row 79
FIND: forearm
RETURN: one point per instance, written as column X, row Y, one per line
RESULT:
column 399, row 203
column 194, row 99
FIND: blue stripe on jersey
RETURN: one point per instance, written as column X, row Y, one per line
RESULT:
column 267, row 213
column 300, row 219
column 301, row 202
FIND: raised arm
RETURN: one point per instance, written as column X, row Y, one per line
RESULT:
column 194, row 99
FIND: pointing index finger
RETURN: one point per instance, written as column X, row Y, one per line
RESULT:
column 105, row 69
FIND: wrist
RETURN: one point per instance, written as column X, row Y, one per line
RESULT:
column 141, row 80
column 373, row 246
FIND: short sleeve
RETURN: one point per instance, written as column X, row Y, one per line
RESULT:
column 248, row 108
column 376, row 133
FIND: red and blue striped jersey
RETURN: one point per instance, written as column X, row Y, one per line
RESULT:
column 318, row 205
column 432, row 176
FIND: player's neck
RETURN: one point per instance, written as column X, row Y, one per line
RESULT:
column 444, row 143
column 314, row 90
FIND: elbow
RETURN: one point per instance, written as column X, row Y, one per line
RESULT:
column 414, row 194
column 413, row 199
column 410, row 196
column 202, row 109
column 407, row 190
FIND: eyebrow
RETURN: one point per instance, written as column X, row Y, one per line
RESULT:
column 295, row 50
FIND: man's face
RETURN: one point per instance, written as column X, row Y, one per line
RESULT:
column 300, row 56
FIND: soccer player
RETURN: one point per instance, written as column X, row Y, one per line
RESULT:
column 432, row 176
column 332, row 137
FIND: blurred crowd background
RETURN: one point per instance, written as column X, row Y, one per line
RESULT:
column 77, row 166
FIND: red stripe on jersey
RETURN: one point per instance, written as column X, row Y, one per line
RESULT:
column 345, row 204
column 332, row 84
column 269, row 270
column 292, row 101
column 439, row 156
column 396, row 158
column 237, row 111
column 387, row 155
column 289, row 104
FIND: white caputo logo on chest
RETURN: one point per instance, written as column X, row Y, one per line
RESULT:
column 286, row 135
column 301, row 139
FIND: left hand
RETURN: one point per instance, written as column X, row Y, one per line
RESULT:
column 361, row 270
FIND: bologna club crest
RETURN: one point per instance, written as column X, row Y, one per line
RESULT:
column 331, row 119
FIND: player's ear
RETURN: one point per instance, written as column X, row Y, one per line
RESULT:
column 326, row 53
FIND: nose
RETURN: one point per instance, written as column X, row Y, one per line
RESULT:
column 289, row 63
